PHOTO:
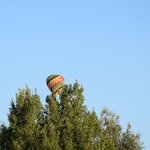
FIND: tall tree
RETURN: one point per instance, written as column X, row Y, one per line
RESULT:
column 23, row 117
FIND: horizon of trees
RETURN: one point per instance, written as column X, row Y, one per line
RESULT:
column 63, row 123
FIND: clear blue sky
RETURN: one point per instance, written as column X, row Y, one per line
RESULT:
column 105, row 45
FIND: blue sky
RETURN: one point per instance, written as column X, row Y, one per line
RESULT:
column 105, row 45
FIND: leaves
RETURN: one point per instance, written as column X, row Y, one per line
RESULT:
column 64, row 123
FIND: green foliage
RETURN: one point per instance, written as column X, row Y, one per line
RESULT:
column 64, row 123
column 23, row 121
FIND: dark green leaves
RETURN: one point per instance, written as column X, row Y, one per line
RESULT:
column 64, row 123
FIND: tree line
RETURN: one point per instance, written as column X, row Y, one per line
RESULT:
column 63, row 123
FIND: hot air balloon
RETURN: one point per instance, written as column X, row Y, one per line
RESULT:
column 55, row 83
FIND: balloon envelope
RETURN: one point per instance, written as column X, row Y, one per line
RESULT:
column 55, row 82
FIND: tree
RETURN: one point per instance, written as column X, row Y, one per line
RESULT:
column 64, row 123
column 23, row 121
